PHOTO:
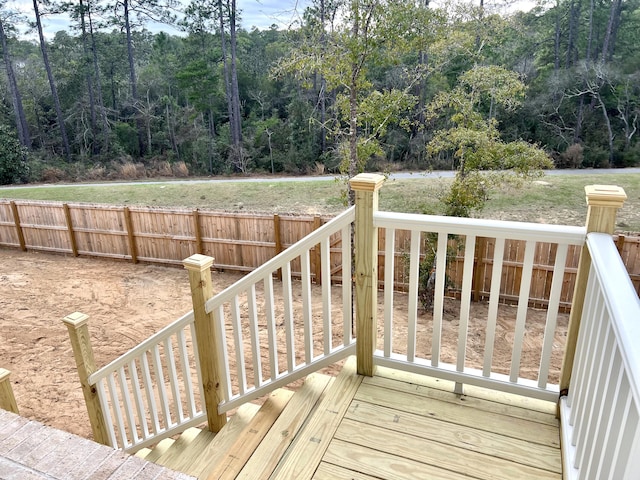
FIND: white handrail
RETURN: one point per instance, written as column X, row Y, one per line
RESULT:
column 601, row 414
column 136, row 351
column 291, row 253
column 540, row 232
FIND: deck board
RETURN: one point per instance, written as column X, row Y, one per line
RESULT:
column 434, row 454
column 469, row 438
column 461, row 415
column 265, row 458
column 393, row 425
column 305, row 453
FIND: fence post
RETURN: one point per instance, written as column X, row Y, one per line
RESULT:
column 366, row 186
column 199, row 268
column 83, row 352
column 7, row 399
column 130, row 235
column 16, row 220
column 603, row 203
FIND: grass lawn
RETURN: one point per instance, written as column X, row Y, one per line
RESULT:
column 557, row 199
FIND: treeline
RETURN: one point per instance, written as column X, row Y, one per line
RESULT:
column 358, row 84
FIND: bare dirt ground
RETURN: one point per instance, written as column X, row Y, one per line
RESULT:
column 127, row 303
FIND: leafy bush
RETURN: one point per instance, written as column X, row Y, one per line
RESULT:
column 13, row 165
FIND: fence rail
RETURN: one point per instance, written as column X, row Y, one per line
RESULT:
column 243, row 242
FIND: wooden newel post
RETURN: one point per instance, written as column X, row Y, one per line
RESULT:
column 199, row 268
column 83, row 352
column 603, row 203
column 7, row 399
column 366, row 186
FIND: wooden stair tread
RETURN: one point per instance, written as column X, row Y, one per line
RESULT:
column 178, row 447
column 159, row 450
column 191, row 455
column 293, row 418
column 305, row 453
column 229, row 465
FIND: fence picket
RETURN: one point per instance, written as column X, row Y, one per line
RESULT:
column 167, row 236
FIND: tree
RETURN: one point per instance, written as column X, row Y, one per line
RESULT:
column 371, row 35
column 52, row 84
column 16, row 98
column 474, row 140
column 228, row 10
column 141, row 11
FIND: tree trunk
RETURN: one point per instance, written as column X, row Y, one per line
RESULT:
column 607, row 122
column 234, row 76
column 612, row 30
column 227, row 83
column 96, row 73
column 590, row 38
column 89, row 80
column 52, row 85
column 556, row 46
column 16, row 99
column 574, row 19
column 323, row 87
column 132, row 76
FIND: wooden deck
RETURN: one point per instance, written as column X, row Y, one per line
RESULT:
column 390, row 426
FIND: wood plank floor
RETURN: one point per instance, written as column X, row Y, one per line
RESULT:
column 402, row 426
column 393, row 425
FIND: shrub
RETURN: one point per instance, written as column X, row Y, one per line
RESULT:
column 180, row 169
column 13, row 166
column 572, row 157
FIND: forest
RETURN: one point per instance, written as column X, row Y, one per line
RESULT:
column 356, row 85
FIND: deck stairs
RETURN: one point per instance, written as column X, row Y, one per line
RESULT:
column 254, row 440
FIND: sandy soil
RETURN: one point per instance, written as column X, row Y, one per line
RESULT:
column 127, row 303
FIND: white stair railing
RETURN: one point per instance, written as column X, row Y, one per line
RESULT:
column 258, row 322
column 464, row 232
column 601, row 414
column 154, row 390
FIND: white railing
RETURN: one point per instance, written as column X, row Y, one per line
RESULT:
column 154, row 390
column 601, row 414
column 400, row 350
column 259, row 322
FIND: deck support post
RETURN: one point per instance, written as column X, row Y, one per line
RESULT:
column 199, row 268
column 7, row 399
column 366, row 186
column 83, row 352
column 603, row 203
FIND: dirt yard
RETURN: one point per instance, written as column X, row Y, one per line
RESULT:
column 127, row 303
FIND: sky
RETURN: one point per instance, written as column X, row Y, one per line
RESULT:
column 255, row 13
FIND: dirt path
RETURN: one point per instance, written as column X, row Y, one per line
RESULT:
column 127, row 303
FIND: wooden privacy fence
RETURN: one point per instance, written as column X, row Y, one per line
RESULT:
column 243, row 242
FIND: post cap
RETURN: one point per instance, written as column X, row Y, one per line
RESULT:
column 76, row 319
column 605, row 195
column 367, row 182
column 198, row 262
column 4, row 374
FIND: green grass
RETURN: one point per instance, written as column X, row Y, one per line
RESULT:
column 560, row 201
